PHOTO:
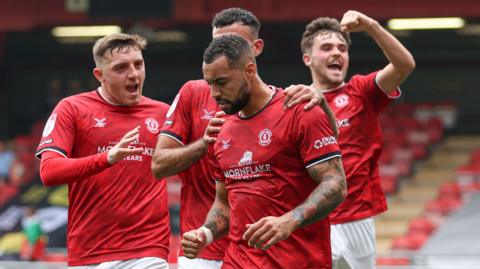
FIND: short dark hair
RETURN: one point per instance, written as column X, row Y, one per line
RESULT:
column 230, row 16
column 322, row 24
column 233, row 47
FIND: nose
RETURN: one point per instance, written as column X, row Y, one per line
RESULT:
column 336, row 51
column 133, row 72
column 215, row 91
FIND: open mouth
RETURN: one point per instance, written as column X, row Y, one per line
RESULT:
column 335, row 66
column 132, row 88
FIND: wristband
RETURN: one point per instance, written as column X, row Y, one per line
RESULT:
column 208, row 234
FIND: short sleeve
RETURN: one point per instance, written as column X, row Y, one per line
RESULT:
column 375, row 96
column 59, row 131
column 314, row 136
column 178, row 120
column 212, row 161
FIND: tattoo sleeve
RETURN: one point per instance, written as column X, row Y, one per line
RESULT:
column 329, row 193
column 218, row 218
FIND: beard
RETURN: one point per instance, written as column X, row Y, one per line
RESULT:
column 239, row 103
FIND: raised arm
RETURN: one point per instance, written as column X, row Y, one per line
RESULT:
column 401, row 62
column 330, row 192
column 172, row 157
column 216, row 225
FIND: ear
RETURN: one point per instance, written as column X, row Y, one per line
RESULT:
column 306, row 59
column 97, row 72
column 251, row 69
column 258, row 46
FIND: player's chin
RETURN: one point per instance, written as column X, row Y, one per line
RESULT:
column 132, row 101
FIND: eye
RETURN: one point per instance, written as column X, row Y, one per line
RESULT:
column 220, row 82
column 119, row 68
column 342, row 48
column 326, row 47
column 139, row 64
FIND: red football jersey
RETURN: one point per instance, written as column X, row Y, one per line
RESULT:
column 122, row 212
column 186, row 122
column 357, row 105
column 262, row 160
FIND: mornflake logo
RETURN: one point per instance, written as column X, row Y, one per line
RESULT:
column 147, row 151
column 324, row 141
column 247, row 168
column 246, row 159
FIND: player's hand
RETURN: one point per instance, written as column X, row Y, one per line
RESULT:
column 193, row 242
column 295, row 94
column 213, row 128
column 123, row 149
column 354, row 21
column 268, row 231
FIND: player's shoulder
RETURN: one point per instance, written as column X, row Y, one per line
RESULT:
column 156, row 103
column 360, row 80
column 195, row 87
column 298, row 109
column 78, row 99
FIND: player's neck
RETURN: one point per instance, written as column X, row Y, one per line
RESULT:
column 260, row 96
column 105, row 96
column 325, row 86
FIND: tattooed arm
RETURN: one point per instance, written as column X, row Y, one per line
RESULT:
column 171, row 157
column 216, row 225
column 330, row 192
column 218, row 217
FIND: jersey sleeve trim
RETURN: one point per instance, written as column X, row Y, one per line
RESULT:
column 394, row 95
column 54, row 149
column 323, row 158
column 172, row 136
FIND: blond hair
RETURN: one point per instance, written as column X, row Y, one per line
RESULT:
column 116, row 43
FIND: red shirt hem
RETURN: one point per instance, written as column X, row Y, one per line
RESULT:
column 159, row 252
column 358, row 216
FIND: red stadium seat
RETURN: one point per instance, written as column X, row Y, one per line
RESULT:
column 450, row 190
column 382, row 261
column 409, row 242
column 421, row 225
column 389, row 184
column 442, row 206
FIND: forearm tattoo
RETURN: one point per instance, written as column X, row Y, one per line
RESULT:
column 217, row 221
column 329, row 193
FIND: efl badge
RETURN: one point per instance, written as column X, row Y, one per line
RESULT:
column 173, row 106
column 49, row 125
